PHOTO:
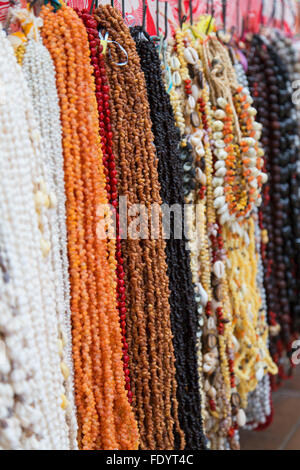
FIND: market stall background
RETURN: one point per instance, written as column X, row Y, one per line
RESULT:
column 284, row 12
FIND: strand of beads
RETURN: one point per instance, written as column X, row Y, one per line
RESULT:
column 186, row 94
column 182, row 89
column 105, row 418
column 102, row 96
column 259, row 91
column 30, row 319
column 192, row 89
column 240, row 235
column 39, row 73
column 289, row 68
column 183, row 307
column 221, row 303
column 259, row 409
column 152, row 361
column 280, row 150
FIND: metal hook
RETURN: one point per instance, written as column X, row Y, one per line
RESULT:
column 191, row 11
column 157, row 17
column 209, row 5
column 123, row 9
column 92, row 7
column 273, row 12
column 166, row 20
column 243, row 27
column 212, row 14
column 144, row 14
column 282, row 13
column 291, row 7
column 245, row 21
column 224, row 8
column 237, row 17
column 262, row 8
column 179, row 13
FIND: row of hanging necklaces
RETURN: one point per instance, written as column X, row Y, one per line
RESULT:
column 223, row 176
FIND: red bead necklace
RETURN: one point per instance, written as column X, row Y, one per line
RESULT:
column 102, row 96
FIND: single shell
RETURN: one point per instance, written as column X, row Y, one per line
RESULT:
column 187, row 166
column 175, row 64
column 191, row 102
column 190, row 55
column 235, row 227
column 209, row 357
column 195, row 119
column 252, row 111
column 211, row 341
column 264, row 178
column 207, row 368
column 176, row 77
column 218, row 293
column 219, row 114
column 219, row 164
column 258, row 200
column 235, row 399
column 217, row 181
column 221, row 172
column 206, row 385
column 255, row 172
column 203, row 294
column 200, row 150
column 212, row 393
column 251, row 152
column 211, row 325
column 199, row 173
column 200, row 79
column 219, row 202
column 241, row 418
column 236, row 344
column 221, row 154
column 224, row 218
column 223, row 209
column 195, row 92
column 260, row 152
column 196, row 139
column 203, row 179
column 218, row 125
column 259, row 374
column 220, row 144
column 257, row 126
column 252, row 162
column 217, row 135
column 253, row 184
column 222, row 102
column 250, row 141
column 219, row 269
column 218, row 191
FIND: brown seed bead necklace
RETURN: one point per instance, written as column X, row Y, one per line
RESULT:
column 148, row 328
